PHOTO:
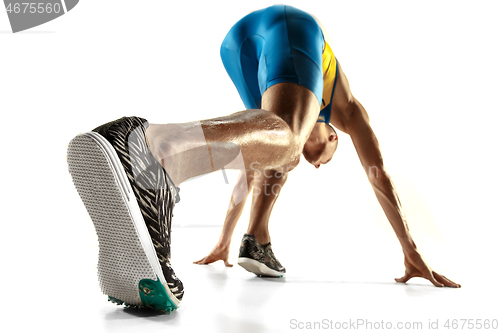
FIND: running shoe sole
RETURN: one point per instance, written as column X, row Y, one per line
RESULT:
column 128, row 268
column 258, row 268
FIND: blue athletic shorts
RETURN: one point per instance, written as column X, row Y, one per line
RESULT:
column 273, row 45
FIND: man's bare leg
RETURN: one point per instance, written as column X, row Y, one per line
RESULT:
column 256, row 254
column 267, row 187
column 271, row 138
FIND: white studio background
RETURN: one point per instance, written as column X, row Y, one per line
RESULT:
column 426, row 71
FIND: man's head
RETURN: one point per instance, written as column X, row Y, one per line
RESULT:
column 321, row 145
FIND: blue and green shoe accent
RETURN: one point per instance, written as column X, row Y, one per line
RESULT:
column 153, row 295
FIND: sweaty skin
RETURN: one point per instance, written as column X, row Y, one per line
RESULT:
column 265, row 139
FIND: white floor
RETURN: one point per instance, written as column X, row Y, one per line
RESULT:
column 334, row 281
column 325, row 288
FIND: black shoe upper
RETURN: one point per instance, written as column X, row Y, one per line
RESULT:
column 251, row 249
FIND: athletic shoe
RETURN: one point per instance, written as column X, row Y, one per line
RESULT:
column 130, row 199
column 259, row 259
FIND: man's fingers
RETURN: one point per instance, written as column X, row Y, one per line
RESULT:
column 203, row 261
column 434, row 281
column 447, row 282
column 209, row 260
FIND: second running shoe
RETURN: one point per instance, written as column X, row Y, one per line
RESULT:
column 259, row 259
column 130, row 199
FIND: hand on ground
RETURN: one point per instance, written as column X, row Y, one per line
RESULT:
column 417, row 267
column 216, row 254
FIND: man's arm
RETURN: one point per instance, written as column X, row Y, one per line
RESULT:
column 349, row 116
column 370, row 156
column 358, row 127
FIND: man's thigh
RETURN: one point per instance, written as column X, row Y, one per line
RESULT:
column 295, row 104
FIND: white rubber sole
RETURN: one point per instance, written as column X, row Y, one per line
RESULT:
column 126, row 251
column 258, row 268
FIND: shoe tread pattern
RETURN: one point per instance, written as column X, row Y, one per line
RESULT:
column 122, row 262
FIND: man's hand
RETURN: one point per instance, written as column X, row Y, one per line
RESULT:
column 417, row 267
column 217, row 253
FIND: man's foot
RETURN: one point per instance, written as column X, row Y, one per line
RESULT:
column 259, row 259
column 130, row 199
